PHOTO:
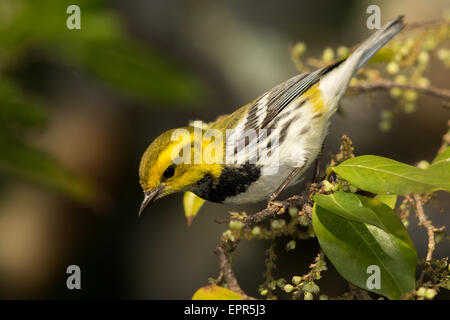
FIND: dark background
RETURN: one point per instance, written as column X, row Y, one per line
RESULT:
column 104, row 105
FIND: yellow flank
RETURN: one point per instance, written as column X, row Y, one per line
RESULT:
column 315, row 97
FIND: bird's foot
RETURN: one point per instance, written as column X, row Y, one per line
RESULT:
column 277, row 206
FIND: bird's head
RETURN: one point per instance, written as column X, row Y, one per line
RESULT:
column 169, row 164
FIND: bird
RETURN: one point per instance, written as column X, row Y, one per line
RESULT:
column 289, row 123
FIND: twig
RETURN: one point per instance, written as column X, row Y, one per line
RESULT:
column 387, row 84
column 276, row 209
column 427, row 225
column 224, row 250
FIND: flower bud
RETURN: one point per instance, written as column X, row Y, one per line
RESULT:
column 290, row 245
column 410, row 95
column 430, row 293
column 311, row 287
column 328, row 55
column 308, row 296
column 421, row 292
column 395, row 92
column 299, row 49
column 236, row 225
column 327, row 186
column 288, row 288
column 424, row 57
column 392, row 67
column 293, row 212
column 296, row 279
column 401, row 79
column 343, row 52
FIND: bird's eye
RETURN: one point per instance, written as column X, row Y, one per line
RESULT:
column 169, row 172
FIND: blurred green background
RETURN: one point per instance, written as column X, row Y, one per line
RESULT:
column 79, row 107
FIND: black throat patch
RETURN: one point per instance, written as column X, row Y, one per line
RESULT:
column 233, row 181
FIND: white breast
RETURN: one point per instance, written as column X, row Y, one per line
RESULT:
column 300, row 147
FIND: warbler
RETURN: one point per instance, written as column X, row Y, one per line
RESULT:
column 294, row 116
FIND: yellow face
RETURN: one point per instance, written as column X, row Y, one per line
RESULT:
column 162, row 173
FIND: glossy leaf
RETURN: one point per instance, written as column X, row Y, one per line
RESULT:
column 441, row 166
column 388, row 199
column 214, row 292
column 355, row 235
column 385, row 176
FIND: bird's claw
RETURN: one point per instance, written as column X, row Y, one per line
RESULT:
column 277, row 205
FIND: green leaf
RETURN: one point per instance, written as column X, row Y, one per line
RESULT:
column 214, row 292
column 102, row 48
column 19, row 160
column 192, row 204
column 389, row 199
column 441, row 166
column 14, row 109
column 385, row 176
column 352, row 242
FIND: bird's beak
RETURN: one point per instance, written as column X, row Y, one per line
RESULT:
column 149, row 196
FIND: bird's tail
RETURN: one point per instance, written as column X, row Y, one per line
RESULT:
column 336, row 82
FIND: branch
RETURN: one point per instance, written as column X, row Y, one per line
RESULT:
column 224, row 251
column 423, row 220
column 382, row 84
column 278, row 207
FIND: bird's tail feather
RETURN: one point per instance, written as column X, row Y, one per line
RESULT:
column 335, row 83
column 371, row 46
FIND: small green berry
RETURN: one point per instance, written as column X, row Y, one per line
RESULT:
column 401, row 79
column 288, row 288
column 392, row 67
column 342, row 52
column 236, row 225
column 308, row 296
column 439, row 236
column 304, row 220
column 311, row 287
column 278, row 224
column 430, row 293
column 328, row 55
column 443, row 54
column 296, row 280
column 421, row 292
column 293, row 212
column 299, row 49
column 327, row 186
column 396, row 92
column 423, row 82
column 256, row 231
column 424, row 57
column 410, row 95
column 352, row 188
column 423, row 164
column 290, row 245
column 281, row 282
column 264, row 292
